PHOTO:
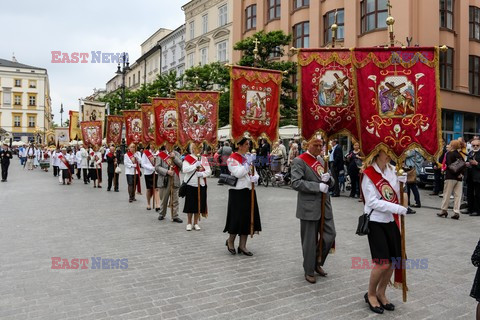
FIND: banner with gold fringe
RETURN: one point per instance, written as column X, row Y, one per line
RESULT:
column 166, row 121
column 148, row 124
column 114, row 129
column 92, row 133
column 133, row 126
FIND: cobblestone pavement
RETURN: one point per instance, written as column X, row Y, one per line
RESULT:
column 174, row 274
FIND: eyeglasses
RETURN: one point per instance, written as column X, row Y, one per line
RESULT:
column 475, row 145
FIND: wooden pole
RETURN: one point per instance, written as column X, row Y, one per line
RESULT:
column 402, row 237
column 322, row 218
column 198, row 198
column 252, row 205
column 154, row 184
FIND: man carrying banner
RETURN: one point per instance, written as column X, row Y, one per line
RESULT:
column 151, row 179
column 112, row 163
column 168, row 168
column 132, row 170
column 312, row 182
column 64, row 166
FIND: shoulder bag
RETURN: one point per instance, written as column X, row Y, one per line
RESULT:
column 228, row 179
column 363, row 221
column 457, row 166
column 182, row 191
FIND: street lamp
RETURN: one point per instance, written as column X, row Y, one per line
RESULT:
column 123, row 70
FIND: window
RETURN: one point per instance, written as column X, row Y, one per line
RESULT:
column 222, row 51
column 203, row 56
column 32, row 84
column 474, row 23
column 374, row 14
column 301, row 35
column 31, row 121
column 192, row 29
column 328, row 20
column 251, row 15
column 190, row 60
column 446, row 69
column 133, row 79
column 16, row 121
column 18, row 83
column 173, row 55
column 17, row 99
column 300, row 3
column 273, row 9
column 446, row 14
column 276, row 53
column 205, row 23
column 474, row 75
column 32, row 100
column 138, row 76
column 222, row 16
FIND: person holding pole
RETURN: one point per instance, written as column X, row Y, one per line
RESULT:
column 95, row 171
column 112, row 163
column 381, row 189
column 168, row 169
column 312, row 181
column 132, row 170
column 151, row 178
column 242, row 211
column 196, row 169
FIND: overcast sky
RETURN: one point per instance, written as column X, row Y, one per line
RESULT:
column 32, row 29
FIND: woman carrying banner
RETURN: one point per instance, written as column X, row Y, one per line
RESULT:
column 240, row 200
column 151, row 178
column 196, row 169
column 95, row 166
column 381, row 192
column 132, row 171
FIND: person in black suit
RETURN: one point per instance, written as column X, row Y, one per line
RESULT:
column 336, row 165
column 5, row 156
column 473, row 179
column 112, row 163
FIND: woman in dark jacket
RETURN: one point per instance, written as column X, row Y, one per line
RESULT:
column 475, row 293
column 354, row 162
column 453, row 181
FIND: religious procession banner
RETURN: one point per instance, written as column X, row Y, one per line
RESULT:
column 92, row 133
column 398, row 100
column 114, row 130
column 326, row 93
column 93, row 111
column 62, row 136
column 74, row 126
column 166, row 121
column 148, row 122
column 255, row 102
column 133, row 126
column 197, row 117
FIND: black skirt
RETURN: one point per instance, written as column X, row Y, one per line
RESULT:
column 384, row 241
column 191, row 200
column 475, row 293
column 92, row 173
column 238, row 212
column 149, row 181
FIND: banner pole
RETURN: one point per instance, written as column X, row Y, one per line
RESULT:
column 322, row 218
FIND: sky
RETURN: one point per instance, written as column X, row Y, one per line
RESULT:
column 32, row 29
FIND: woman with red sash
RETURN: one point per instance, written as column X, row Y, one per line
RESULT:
column 151, row 179
column 381, row 192
column 196, row 168
column 132, row 170
column 240, row 199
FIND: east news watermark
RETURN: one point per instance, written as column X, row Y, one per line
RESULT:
column 94, row 263
column 394, row 263
column 89, row 57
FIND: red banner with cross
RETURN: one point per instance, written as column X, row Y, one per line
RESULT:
column 114, row 130
column 133, row 126
column 166, row 121
column 148, row 124
column 92, row 133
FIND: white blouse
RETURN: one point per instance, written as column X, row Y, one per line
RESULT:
column 241, row 172
column 189, row 169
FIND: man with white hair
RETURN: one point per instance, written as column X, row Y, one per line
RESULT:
column 30, row 154
column 64, row 166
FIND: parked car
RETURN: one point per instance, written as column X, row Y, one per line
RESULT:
column 426, row 176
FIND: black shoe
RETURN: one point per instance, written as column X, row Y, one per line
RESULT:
column 411, row 211
column 417, row 205
column 374, row 309
column 85, row 182
column 177, row 220
column 474, row 214
column 149, row 208
column 388, row 306
column 108, row 189
column 157, row 209
column 116, row 190
column 232, row 251
column 247, row 253
column 161, row 217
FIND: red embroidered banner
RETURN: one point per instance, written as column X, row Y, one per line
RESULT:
column 255, row 102
column 148, row 124
column 398, row 105
column 327, row 93
column 166, row 121
column 197, row 117
column 133, row 126
column 114, row 129
column 92, row 132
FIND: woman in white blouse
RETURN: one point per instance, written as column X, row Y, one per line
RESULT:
column 381, row 191
column 196, row 169
column 240, row 199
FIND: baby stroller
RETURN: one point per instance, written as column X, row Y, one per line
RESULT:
column 282, row 178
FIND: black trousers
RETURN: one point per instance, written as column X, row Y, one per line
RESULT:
column 56, row 171
column 355, row 184
column 85, row 175
column 5, row 170
column 112, row 180
column 414, row 188
column 79, row 173
column 335, row 173
column 473, row 196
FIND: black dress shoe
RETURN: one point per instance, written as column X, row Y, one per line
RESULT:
column 378, row 310
column 310, row 279
column 108, row 189
column 247, row 253
column 116, row 190
column 411, row 211
column 157, row 209
column 232, row 251
column 161, row 217
column 388, row 306
column 321, row 272
column 177, row 220
column 417, row 205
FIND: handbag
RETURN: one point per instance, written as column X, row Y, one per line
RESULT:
column 457, row 167
column 118, row 170
column 363, row 221
column 228, row 179
column 182, row 191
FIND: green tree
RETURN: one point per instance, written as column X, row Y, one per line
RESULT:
column 270, row 51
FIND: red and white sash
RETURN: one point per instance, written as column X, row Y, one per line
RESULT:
column 65, row 162
column 164, row 156
column 313, row 163
column 238, row 157
column 149, row 156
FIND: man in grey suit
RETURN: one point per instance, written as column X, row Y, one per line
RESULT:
column 312, row 182
column 168, row 167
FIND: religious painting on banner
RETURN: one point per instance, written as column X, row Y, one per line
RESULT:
column 74, row 126
column 92, row 133
column 327, row 93
column 197, row 117
column 148, row 124
column 255, row 102
column 114, row 129
column 133, row 126
column 398, row 104
column 166, row 120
